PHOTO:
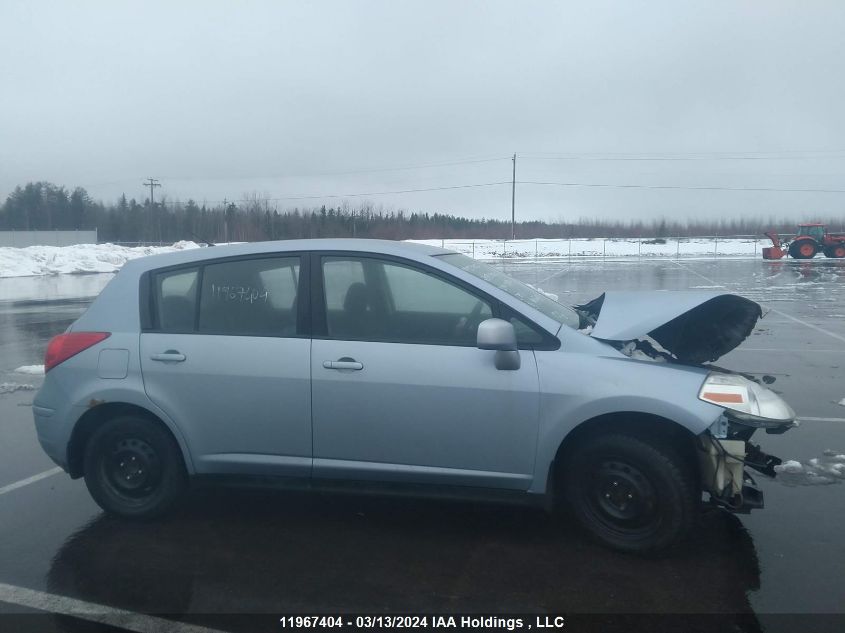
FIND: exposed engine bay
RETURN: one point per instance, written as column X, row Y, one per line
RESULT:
column 696, row 328
column 690, row 328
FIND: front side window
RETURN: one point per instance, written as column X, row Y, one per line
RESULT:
column 525, row 293
column 526, row 336
column 250, row 297
column 378, row 300
column 340, row 275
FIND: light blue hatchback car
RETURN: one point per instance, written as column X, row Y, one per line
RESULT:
column 380, row 366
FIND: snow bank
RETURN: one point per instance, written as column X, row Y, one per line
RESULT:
column 598, row 247
column 33, row 370
column 108, row 258
column 12, row 387
column 81, row 258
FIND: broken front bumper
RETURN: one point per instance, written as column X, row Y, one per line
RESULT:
column 725, row 456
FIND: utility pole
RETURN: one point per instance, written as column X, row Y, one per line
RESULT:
column 152, row 183
column 513, row 200
column 225, row 220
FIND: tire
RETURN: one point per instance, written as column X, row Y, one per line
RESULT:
column 803, row 249
column 836, row 251
column 134, row 468
column 630, row 494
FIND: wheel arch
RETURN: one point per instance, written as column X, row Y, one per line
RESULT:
column 648, row 426
column 89, row 421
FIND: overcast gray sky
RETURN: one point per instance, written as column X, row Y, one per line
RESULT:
column 224, row 99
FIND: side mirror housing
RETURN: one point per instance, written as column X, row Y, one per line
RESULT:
column 499, row 335
column 496, row 334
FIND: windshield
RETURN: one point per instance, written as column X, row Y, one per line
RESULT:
column 515, row 288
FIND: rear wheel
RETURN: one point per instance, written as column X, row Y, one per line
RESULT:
column 133, row 467
column 837, row 251
column 803, row 249
column 630, row 494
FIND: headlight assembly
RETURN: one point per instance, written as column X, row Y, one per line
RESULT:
column 746, row 400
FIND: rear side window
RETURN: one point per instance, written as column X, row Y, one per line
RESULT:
column 250, row 297
column 245, row 297
column 176, row 300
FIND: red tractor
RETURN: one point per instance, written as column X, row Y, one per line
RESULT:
column 811, row 239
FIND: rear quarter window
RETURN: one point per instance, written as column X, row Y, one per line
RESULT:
column 176, row 299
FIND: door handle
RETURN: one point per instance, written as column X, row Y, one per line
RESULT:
column 343, row 363
column 170, row 355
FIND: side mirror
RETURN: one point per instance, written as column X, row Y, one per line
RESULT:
column 496, row 334
column 499, row 335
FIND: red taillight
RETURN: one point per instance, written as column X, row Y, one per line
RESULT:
column 64, row 346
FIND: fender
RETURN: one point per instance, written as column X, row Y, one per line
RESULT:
column 122, row 395
column 656, row 389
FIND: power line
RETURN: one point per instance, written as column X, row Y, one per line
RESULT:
column 679, row 158
column 354, row 171
column 513, row 182
column 385, row 193
column 681, row 187
column 683, row 159
column 618, row 156
column 369, row 193
column 735, row 155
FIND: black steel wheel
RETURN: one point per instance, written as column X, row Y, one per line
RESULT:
column 133, row 467
column 630, row 494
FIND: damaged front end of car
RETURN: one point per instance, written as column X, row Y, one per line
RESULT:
column 726, row 448
column 697, row 328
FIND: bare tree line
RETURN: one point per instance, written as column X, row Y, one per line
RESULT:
column 45, row 206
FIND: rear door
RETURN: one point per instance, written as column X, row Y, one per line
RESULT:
column 226, row 354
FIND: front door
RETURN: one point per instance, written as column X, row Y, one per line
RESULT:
column 401, row 392
column 226, row 360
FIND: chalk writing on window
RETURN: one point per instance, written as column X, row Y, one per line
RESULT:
column 239, row 294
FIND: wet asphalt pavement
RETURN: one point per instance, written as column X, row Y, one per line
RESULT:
column 267, row 552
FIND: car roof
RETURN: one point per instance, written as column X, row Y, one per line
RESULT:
column 385, row 247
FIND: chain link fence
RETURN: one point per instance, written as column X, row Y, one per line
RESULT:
column 673, row 247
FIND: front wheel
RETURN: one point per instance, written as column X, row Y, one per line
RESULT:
column 134, row 468
column 629, row 494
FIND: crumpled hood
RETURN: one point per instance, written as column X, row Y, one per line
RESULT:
column 695, row 326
